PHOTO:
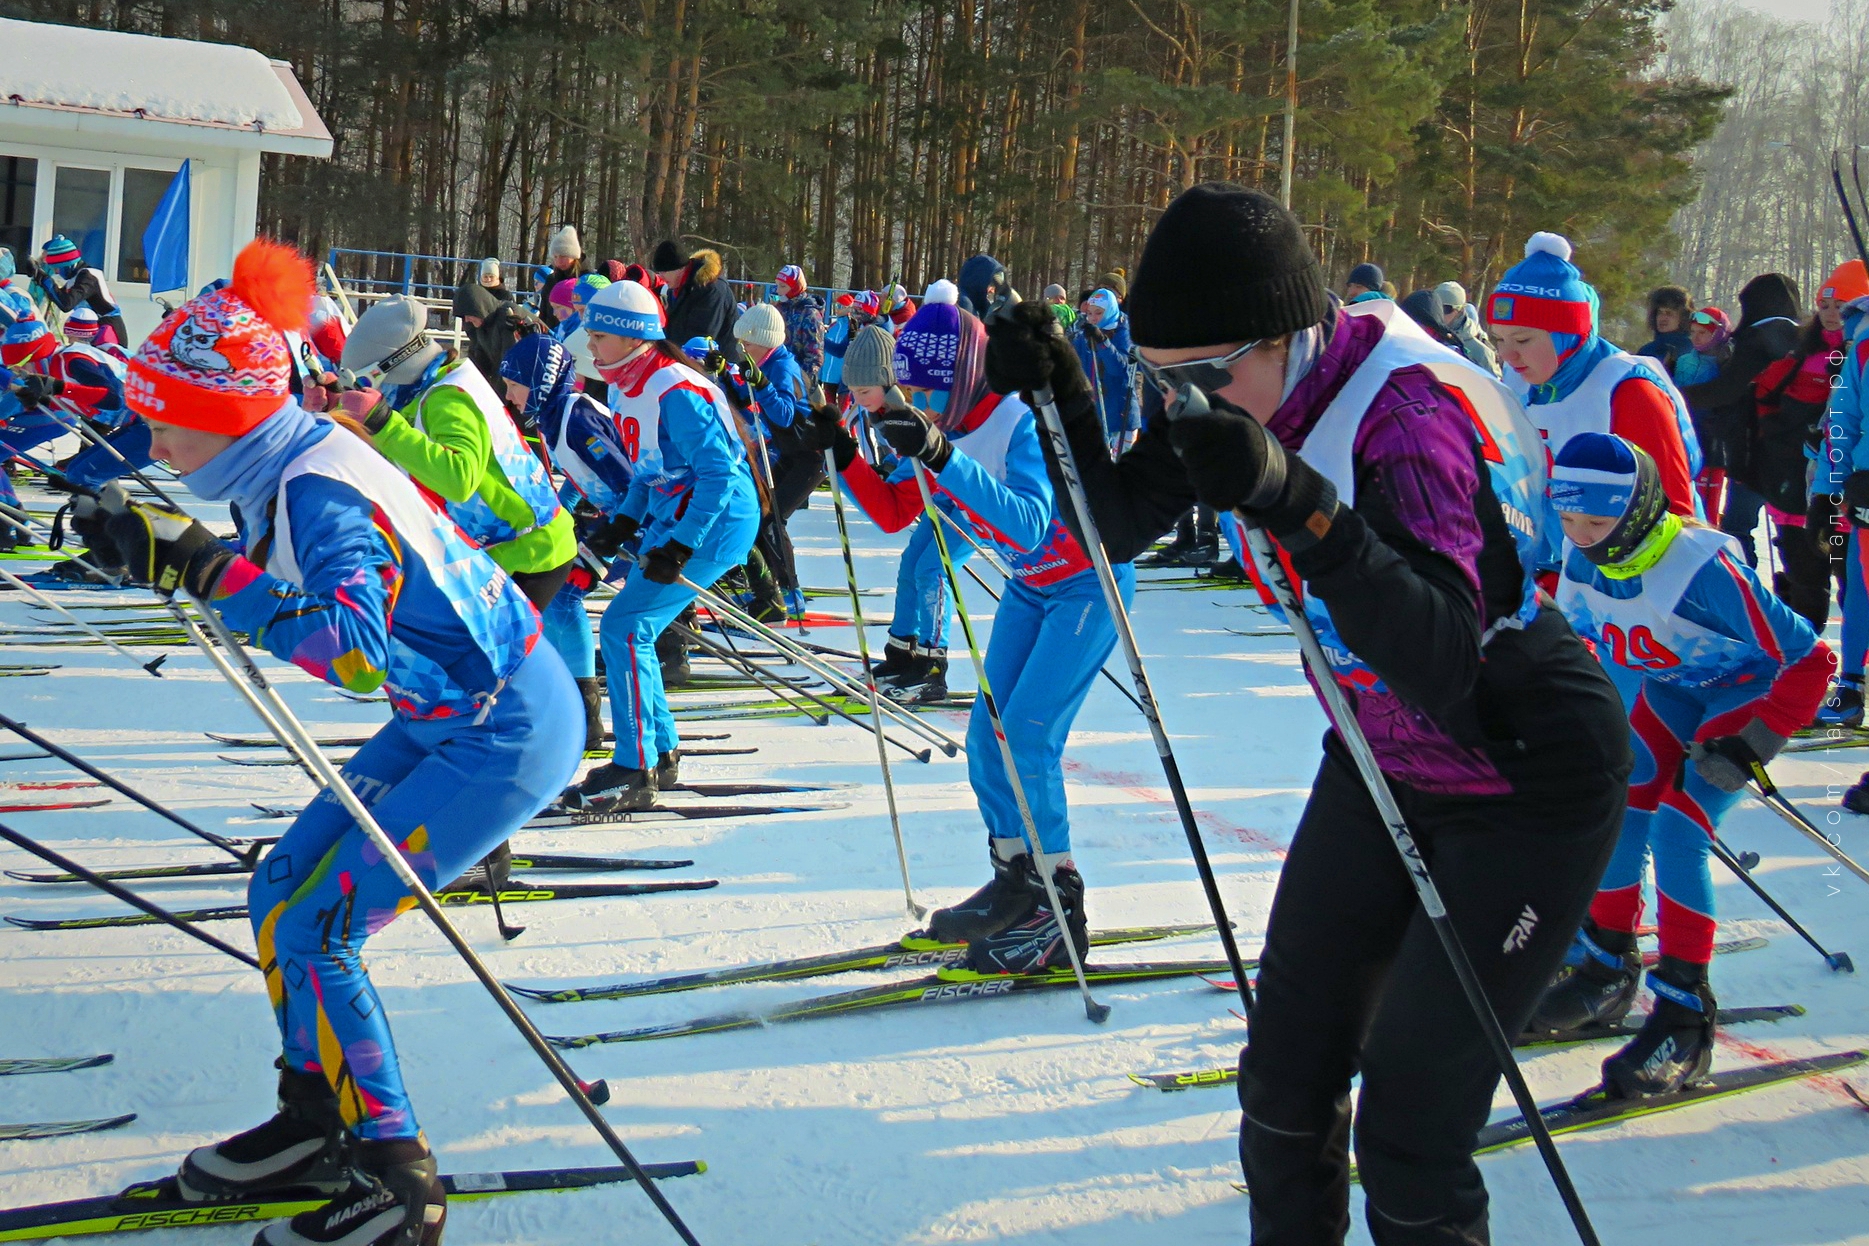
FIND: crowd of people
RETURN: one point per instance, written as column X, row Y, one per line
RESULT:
column 1530, row 555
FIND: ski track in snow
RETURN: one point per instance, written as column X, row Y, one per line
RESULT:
column 1008, row 1120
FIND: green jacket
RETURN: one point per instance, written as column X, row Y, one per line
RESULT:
column 452, row 454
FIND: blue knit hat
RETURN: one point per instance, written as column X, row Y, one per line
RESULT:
column 1595, row 474
column 1369, row 276
column 1545, row 291
column 928, row 346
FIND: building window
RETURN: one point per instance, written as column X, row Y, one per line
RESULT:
column 19, row 176
column 81, row 210
column 142, row 191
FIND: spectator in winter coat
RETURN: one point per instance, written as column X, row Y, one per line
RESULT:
column 803, row 313
column 489, row 273
column 493, row 327
column 982, row 280
column 1116, row 281
column 68, row 281
column 1364, row 283
column 699, row 303
column 1424, row 308
column 565, row 255
column 1060, row 304
column 1667, row 322
column 1101, row 340
column 1711, row 335
column 1462, row 319
column 562, row 311
column 1767, row 330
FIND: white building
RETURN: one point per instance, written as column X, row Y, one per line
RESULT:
column 94, row 125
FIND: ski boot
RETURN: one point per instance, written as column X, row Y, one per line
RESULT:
column 1035, row 942
column 1844, row 706
column 9, row 538
column 1230, row 570
column 898, row 656
column 925, row 683
column 672, row 653
column 611, row 788
column 304, row 1145
column 668, row 770
column 491, row 873
column 1856, row 799
column 1675, row 1046
column 1596, row 985
column 795, row 604
column 1204, row 552
column 769, row 610
column 592, row 690
column 995, row 906
column 395, row 1198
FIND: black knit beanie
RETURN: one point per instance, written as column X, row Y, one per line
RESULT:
column 667, row 258
column 1224, row 264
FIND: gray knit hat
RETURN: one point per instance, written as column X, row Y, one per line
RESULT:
column 565, row 242
column 760, row 325
column 870, row 358
column 392, row 336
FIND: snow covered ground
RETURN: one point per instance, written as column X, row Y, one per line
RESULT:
column 1001, row 1120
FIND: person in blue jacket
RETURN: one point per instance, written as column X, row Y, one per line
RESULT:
column 344, row 570
column 1101, row 339
column 583, row 441
column 1717, row 673
column 1051, row 634
column 692, row 507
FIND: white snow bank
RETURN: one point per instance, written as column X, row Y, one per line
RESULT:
column 167, row 79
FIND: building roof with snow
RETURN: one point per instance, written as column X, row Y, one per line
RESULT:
column 107, row 80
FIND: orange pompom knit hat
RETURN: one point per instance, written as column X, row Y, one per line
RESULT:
column 220, row 362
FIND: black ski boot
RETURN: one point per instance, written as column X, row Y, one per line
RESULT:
column 995, row 906
column 611, row 788
column 491, row 873
column 898, row 656
column 592, row 690
column 926, row 682
column 1844, row 706
column 9, row 538
column 305, row 1145
column 1035, row 942
column 1675, row 1046
column 1856, row 799
column 672, row 653
column 395, row 1198
column 1173, row 553
column 1596, row 985
column 668, row 770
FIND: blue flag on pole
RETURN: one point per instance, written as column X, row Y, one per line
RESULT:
column 165, row 242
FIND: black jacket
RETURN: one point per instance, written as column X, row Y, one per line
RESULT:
column 704, row 308
column 500, row 322
column 1768, row 329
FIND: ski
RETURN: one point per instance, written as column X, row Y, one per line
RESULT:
column 62, row 786
column 1818, row 739
column 357, row 741
column 63, row 1129
column 515, row 892
column 215, row 869
column 286, row 759
column 26, row 672
column 1593, row 1108
column 556, row 817
column 713, row 790
column 157, row 1205
column 51, row 1064
column 942, row 987
column 1629, row 1027
column 908, row 952
column 51, row 805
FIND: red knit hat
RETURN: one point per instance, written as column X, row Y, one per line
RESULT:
column 219, row 363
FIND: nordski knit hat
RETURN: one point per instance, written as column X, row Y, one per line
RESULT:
column 1224, row 264
column 1544, row 290
column 870, row 358
column 390, row 343
column 220, row 363
column 760, row 325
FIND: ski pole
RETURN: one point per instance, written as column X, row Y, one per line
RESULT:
column 1838, row 961
column 20, row 729
column 1767, row 791
column 789, row 693
column 392, row 853
column 1097, row 1012
column 869, row 680
column 1350, row 732
column 1053, row 424
column 122, row 893
column 154, row 666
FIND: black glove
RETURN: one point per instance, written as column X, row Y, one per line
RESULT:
column 663, row 564
column 713, row 363
column 1234, row 464
column 1026, row 350
column 910, row 434
column 1726, row 761
column 1821, row 522
column 163, row 549
column 92, row 524
column 755, row 379
column 824, row 430
column 1856, row 499
column 607, row 539
column 34, row 389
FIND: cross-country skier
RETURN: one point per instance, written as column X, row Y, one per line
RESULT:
column 1051, row 633
column 775, row 389
column 1717, row 674
column 1384, row 466
column 346, row 570
column 1543, row 316
column 1101, row 339
column 692, row 508
column 436, row 417
column 68, row 281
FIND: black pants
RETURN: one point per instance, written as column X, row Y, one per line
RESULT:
column 541, row 586
column 1354, row 979
column 794, row 476
column 1804, row 582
